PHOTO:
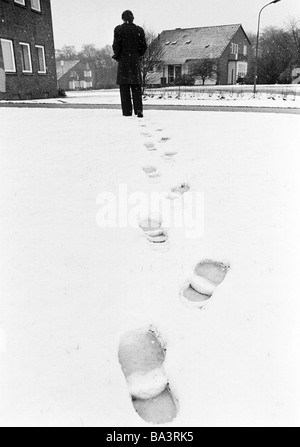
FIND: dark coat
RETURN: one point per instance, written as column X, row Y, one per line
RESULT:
column 129, row 46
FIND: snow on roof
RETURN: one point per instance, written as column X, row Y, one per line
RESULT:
column 205, row 42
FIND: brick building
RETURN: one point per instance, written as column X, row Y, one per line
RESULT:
column 227, row 46
column 27, row 55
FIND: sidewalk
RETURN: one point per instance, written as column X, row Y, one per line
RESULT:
column 167, row 107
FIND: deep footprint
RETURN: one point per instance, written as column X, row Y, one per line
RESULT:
column 153, row 231
column 160, row 410
column 208, row 275
column 141, row 357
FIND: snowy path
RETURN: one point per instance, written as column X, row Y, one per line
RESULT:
column 70, row 290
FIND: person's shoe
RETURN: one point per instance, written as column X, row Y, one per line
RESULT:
column 140, row 115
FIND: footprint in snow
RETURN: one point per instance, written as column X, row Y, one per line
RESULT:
column 165, row 139
column 207, row 276
column 178, row 191
column 170, row 154
column 151, row 171
column 169, row 157
column 142, row 356
column 150, row 146
column 153, row 231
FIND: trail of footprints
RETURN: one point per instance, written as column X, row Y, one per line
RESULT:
column 142, row 353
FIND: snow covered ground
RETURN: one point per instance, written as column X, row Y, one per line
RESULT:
column 69, row 289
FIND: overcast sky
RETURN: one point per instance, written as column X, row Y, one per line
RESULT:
column 77, row 22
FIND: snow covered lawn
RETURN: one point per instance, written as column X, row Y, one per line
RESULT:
column 69, row 289
column 277, row 96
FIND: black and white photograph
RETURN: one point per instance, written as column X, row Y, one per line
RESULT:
column 149, row 216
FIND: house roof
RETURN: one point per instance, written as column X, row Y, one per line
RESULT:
column 64, row 68
column 180, row 45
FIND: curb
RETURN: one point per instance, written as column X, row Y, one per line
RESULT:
column 181, row 108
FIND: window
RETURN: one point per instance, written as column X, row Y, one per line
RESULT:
column 174, row 72
column 88, row 74
column 245, row 52
column 26, row 58
column 40, row 52
column 20, row 2
column 8, row 56
column 86, row 85
column 242, row 69
column 234, row 48
column 36, row 5
column 74, row 75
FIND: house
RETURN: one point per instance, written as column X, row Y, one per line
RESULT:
column 27, row 55
column 74, row 75
column 227, row 46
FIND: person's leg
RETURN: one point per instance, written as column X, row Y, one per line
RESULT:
column 137, row 99
column 126, row 99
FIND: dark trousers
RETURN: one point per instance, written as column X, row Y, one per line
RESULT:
column 131, row 93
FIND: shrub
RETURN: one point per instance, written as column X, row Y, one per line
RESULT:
column 186, row 80
column 62, row 93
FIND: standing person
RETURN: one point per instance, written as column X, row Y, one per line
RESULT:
column 129, row 46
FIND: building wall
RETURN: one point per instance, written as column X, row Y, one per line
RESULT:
column 22, row 24
column 227, row 57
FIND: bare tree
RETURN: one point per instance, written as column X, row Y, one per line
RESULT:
column 67, row 53
column 107, row 68
column 293, row 29
column 204, row 68
column 152, row 60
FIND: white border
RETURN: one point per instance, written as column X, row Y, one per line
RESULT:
column 44, row 59
column 13, row 55
column 30, row 59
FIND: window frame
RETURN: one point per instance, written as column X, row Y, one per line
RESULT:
column 20, row 2
column 13, row 55
column 235, row 48
column 41, row 47
column 25, row 44
column 244, row 66
column 36, row 9
column 88, row 74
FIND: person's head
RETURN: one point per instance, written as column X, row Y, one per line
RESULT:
column 127, row 16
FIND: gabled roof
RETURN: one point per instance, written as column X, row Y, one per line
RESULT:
column 64, row 68
column 180, row 45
